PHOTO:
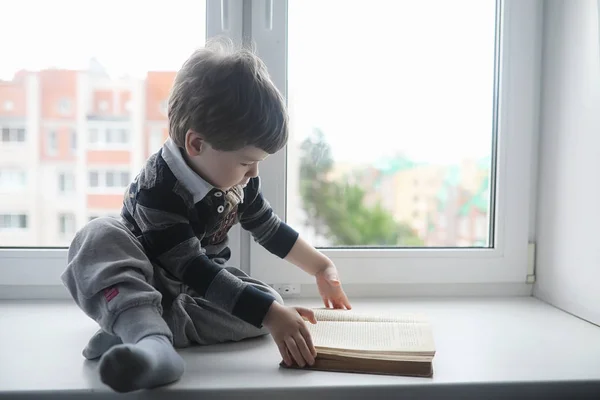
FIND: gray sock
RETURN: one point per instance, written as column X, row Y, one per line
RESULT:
column 99, row 344
column 146, row 364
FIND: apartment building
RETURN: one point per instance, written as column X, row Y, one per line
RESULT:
column 70, row 142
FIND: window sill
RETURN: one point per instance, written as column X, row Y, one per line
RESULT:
column 486, row 348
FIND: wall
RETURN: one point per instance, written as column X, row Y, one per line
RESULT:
column 568, row 220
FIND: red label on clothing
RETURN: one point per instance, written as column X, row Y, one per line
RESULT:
column 110, row 293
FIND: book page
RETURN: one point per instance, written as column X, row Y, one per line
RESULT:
column 324, row 314
column 377, row 337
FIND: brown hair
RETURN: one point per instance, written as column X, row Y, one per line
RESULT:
column 226, row 95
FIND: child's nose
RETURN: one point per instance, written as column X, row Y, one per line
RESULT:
column 253, row 172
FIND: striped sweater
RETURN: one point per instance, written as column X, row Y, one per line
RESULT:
column 182, row 223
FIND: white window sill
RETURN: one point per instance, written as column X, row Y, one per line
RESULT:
column 486, row 348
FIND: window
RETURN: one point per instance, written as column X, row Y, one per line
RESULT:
column 117, row 136
column 128, row 106
column 20, row 135
column 466, row 63
column 401, row 142
column 124, row 179
column 73, row 141
column 13, row 221
column 9, row 105
column 12, row 135
column 103, row 105
column 103, row 137
column 64, row 106
column 94, row 179
column 93, row 136
column 66, row 182
column 471, row 54
column 481, row 227
column 52, row 145
column 109, row 179
column 66, row 224
column 12, row 179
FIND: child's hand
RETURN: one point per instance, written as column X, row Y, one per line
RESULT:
column 330, row 288
column 290, row 333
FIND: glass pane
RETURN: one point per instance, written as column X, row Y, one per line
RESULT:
column 110, row 179
column 392, row 110
column 79, row 79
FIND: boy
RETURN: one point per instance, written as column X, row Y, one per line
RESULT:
column 156, row 278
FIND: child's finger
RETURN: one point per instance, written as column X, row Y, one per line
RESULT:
column 304, row 349
column 284, row 354
column 307, row 313
column 293, row 349
column 308, row 339
column 338, row 304
column 347, row 303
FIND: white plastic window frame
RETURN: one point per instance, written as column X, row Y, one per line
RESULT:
column 518, row 114
column 34, row 272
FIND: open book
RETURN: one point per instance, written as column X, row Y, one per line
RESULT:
column 348, row 341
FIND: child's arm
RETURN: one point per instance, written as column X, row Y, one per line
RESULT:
column 257, row 217
column 317, row 264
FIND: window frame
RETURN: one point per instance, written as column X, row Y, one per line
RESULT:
column 519, row 96
column 422, row 270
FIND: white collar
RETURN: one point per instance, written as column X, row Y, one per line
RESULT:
column 197, row 186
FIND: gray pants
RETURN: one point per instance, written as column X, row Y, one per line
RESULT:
column 109, row 273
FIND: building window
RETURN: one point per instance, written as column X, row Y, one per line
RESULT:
column 108, row 137
column 64, row 106
column 109, row 179
column 13, row 221
column 66, row 182
column 12, row 135
column 52, row 145
column 66, row 224
column 116, row 179
column 94, row 178
column 93, row 136
column 128, row 106
column 9, row 105
column 74, row 141
column 103, row 105
column 117, row 136
column 12, row 179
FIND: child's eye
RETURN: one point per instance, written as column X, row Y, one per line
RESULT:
column 245, row 164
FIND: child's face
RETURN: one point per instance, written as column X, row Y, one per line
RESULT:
column 223, row 169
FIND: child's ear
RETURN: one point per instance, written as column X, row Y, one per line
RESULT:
column 194, row 143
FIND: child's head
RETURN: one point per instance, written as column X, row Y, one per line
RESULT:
column 226, row 113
